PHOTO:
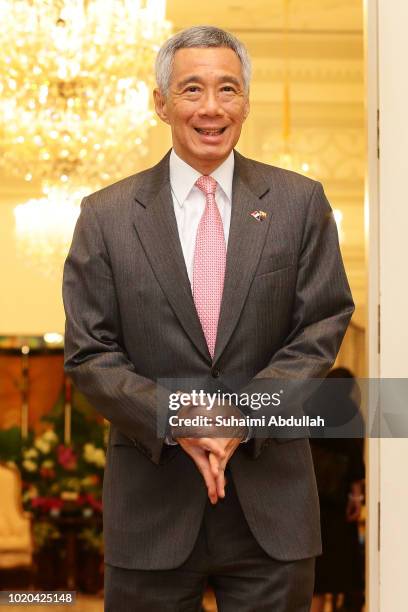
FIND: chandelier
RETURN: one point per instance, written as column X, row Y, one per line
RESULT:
column 44, row 228
column 75, row 82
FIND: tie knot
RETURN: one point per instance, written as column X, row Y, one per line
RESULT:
column 207, row 184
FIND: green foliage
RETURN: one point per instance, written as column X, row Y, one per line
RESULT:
column 10, row 444
column 86, row 425
column 43, row 533
column 59, row 478
column 92, row 539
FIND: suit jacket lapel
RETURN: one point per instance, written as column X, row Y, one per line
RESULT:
column 245, row 244
column 156, row 226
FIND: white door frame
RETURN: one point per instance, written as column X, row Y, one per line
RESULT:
column 372, row 252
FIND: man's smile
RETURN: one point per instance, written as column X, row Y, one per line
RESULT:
column 211, row 131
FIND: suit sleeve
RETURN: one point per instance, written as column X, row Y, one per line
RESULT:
column 322, row 306
column 95, row 357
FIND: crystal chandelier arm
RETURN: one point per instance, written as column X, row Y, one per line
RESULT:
column 94, row 354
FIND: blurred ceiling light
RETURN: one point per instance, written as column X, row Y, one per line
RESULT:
column 44, row 228
column 53, row 338
column 75, row 81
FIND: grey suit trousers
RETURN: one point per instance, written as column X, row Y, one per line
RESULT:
column 227, row 556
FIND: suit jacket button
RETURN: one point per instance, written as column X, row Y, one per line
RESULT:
column 215, row 373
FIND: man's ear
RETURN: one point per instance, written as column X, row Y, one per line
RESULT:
column 160, row 105
column 246, row 109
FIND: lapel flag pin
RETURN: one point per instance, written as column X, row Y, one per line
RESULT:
column 259, row 215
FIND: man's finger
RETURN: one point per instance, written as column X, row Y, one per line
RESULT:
column 213, row 446
column 203, row 465
column 215, row 464
column 218, row 470
column 220, row 483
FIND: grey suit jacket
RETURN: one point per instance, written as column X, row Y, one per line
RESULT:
column 131, row 320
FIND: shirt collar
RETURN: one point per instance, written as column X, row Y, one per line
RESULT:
column 183, row 176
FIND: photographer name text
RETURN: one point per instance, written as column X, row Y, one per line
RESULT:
column 245, row 421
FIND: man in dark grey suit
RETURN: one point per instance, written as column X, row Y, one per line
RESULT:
column 141, row 284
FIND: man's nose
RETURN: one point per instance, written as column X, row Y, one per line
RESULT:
column 210, row 105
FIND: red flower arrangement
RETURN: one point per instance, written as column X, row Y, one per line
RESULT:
column 67, row 457
column 61, row 479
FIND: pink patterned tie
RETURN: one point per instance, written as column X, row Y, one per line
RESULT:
column 209, row 263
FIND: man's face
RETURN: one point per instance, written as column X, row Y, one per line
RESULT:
column 205, row 106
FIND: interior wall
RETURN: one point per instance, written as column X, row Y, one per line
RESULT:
column 393, row 98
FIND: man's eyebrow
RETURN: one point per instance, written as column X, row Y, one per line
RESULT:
column 228, row 78
column 195, row 78
column 192, row 78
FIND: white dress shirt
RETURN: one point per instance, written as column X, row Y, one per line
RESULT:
column 189, row 205
column 189, row 201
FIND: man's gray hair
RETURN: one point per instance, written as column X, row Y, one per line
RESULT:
column 199, row 36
